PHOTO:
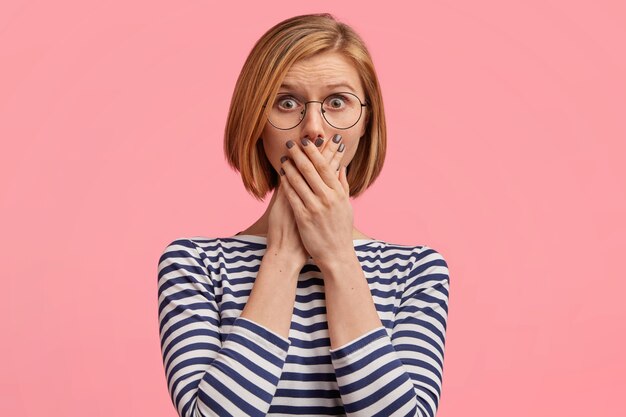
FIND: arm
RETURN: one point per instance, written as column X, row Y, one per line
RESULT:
column 273, row 295
column 382, row 376
column 350, row 308
column 205, row 376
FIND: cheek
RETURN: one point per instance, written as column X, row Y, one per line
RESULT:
column 274, row 147
column 272, row 153
column 350, row 149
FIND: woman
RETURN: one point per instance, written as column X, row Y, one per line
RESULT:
column 301, row 313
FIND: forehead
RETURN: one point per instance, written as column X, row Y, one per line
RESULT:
column 323, row 71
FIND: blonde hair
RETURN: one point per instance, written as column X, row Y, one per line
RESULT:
column 267, row 64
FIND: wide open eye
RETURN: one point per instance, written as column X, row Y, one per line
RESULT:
column 287, row 103
column 337, row 102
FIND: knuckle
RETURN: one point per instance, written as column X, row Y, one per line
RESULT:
column 313, row 211
column 320, row 164
column 329, row 201
column 307, row 169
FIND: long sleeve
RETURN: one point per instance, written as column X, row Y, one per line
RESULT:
column 401, row 375
column 207, row 373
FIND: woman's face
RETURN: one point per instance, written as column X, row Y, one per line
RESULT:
column 315, row 78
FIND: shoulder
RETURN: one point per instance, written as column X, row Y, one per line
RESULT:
column 428, row 254
column 212, row 252
column 204, row 245
column 415, row 253
column 407, row 261
column 429, row 268
column 196, row 251
column 185, row 247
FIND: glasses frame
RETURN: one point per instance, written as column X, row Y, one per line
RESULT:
column 303, row 114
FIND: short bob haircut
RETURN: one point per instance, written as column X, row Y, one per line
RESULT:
column 267, row 64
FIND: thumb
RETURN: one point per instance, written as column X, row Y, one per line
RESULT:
column 281, row 187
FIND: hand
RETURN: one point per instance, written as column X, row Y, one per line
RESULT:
column 282, row 231
column 320, row 201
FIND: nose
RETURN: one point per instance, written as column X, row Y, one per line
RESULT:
column 313, row 124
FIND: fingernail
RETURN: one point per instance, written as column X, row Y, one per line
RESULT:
column 305, row 141
column 289, row 144
column 337, row 138
column 283, row 159
column 282, row 171
column 341, row 147
column 318, row 142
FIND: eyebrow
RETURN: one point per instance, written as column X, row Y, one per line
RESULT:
column 328, row 86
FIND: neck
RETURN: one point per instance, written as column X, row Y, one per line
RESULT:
column 261, row 225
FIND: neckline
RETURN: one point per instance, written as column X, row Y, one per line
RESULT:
column 263, row 239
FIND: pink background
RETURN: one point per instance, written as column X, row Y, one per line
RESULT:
column 506, row 154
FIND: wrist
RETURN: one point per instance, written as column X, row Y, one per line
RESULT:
column 338, row 262
column 282, row 259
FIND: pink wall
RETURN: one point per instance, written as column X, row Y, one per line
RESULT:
column 506, row 154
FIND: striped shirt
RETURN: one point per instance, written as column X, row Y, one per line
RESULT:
column 219, row 364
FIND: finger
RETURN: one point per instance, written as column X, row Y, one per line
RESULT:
column 317, row 170
column 330, row 151
column 297, row 182
column 343, row 178
column 280, row 190
column 329, row 147
column 292, row 196
column 299, row 156
column 335, row 162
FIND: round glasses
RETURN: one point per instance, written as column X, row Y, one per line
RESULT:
column 340, row 110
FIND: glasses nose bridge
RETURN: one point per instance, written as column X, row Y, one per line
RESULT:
column 306, row 104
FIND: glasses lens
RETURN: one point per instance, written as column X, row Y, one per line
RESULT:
column 286, row 111
column 341, row 110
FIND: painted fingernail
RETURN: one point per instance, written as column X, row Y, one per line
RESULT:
column 305, row 141
column 318, row 142
column 341, row 147
column 283, row 159
column 289, row 144
column 337, row 138
column 282, row 171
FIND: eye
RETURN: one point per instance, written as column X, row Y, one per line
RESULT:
column 337, row 102
column 287, row 103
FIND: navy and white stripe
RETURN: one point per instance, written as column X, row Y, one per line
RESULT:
column 219, row 364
